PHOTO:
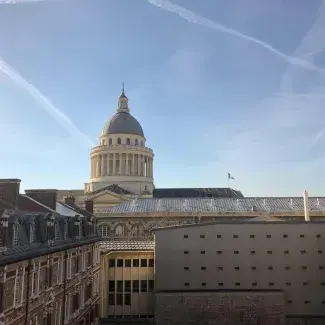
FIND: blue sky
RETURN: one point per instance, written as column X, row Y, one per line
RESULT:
column 210, row 100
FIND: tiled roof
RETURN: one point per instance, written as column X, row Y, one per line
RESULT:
column 256, row 204
column 140, row 245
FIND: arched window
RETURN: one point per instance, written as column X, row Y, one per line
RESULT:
column 141, row 143
column 128, row 141
column 32, row 235
column 120, row 230
column 104, row 230
column 136, row 142
column 137, row 230
column 110, row 141
column 119, row 141
column 15, row 239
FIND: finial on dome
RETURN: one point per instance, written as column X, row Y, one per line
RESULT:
column 123, row 102
column 123, row 93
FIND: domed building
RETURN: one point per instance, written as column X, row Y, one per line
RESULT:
column 122, row 157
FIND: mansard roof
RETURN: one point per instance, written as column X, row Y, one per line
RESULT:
column 218, row 205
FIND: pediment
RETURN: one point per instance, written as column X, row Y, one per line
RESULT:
column 108, row 196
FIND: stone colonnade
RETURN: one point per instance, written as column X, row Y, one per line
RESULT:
column 119, row 164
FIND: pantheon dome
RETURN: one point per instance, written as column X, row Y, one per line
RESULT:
column 122, row 157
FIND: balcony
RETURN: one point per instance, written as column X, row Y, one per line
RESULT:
column 121, row 146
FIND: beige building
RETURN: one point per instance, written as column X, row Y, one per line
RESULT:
column 251, row 272
column 127, row 283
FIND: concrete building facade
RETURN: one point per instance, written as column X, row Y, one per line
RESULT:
column 267, row 272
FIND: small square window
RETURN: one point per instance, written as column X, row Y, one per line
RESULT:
column 135, row 262
column 220, row 268
column 119, row 262
column 202, row 236
column 321, row 267
column 251, row 236
column 237, row 268
column 268, row 236
column 220, row 284
column 237, row 284
column 318, row 236
column 111, row 262
column 322, row 283
column 128, row 262
column 305, row 284
column 289, row 302
column 307, row 302
column 235, row 236
column 323, row 301
column 287, row 268
column 202, row 252
column 203, row 268
column 185, row 252
column 186, row 284
column 271, row 284
column 186, row 268
column 285, row 236
column 219, row 236
column 302, row 236
column 144, row 262
column 269, row 252
column 320, row 252
column 286, row 252
column 219, row 252
column 304, row 267
column 288, row 284
column 185, row 236
column 254, row 284
column 236, row 252
column 203, row 284
column 270, row 267
column 253, row 267
column 151, row 262
column 252, row 252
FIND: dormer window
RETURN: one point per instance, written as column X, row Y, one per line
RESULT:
column 119, row 141
column 32, row 235
column 15, row 239
column 128, row 141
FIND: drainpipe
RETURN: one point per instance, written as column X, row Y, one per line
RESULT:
column 28, row 293
column 306, row 206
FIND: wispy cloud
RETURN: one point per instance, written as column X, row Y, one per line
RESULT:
column 197, row 19
column 13, row 2
column 45, row 103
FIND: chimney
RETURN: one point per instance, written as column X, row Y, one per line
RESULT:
column 47, row 197
column 70, row 200
column 89, row 206
column 306, row 206
column 9, row 193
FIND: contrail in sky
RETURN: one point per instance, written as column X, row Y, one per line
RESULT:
column 56, row 113
column 196, row 19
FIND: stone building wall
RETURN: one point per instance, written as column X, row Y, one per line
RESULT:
column 204, row 308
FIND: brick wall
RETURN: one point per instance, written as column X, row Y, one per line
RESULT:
column 220, row 308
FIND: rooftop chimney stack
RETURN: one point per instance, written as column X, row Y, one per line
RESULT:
column 46, row 197
column 306, row 206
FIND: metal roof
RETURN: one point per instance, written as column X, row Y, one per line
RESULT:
column 256, row 204
column 127, row 245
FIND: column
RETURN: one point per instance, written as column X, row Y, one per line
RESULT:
column 151, row 167
column 133, row 165
column 105, row 165
column 127, row 171
column 114, row 163
column 100, row 165
column 139, row 165
column 97, row 165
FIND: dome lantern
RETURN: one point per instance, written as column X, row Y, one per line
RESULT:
column 123, row 106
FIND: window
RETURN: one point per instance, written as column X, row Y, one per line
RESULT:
column 322, row 283
column 304, row 267
column 287, row 268
column 185, row 252
column 136, row 142
column 144, row 262
column 119, row 286
column 320, row 252
column 269, row 252
column 286, row 252
column 144, row 286
column 127, row 297
column 135, row 262
column 186, row 284
column 110, row 141
column 235, row 236
column 253, row 267
column 119, row 141
column 32, row 233
column 251, row 236
column 128, row 141
column 321, row 267
column 302, row 236
column 151, row 285
column 203, row 268
column 111, row 286
column 252, row 252
column 202, row 236
column 289, row 302
column 104, row 230
column 202, row 252
column 127, row 285
column 288, row 284
column 151, row 262
column 219, row 236
column 203, row 284
column 236, row 252
column 305, row 283
column 236, row 268
column 285, row 236
column 119, row 262
column 135, row 286
column 119, row 299
column 219, row 252
column 271, row 284
column 307, row 302
column 237, row 284
column 270, row 267
column 65, row 232
column 111, row 299
column 318, row 236
column 268, row 236
column 15, row 234
column 128, row 262
column 303, row 251
column 186, row 268
column 220, row 268
column 141, row 143
column 254, row 284
column 220, row 284
column 111, row 262
column 185, row 236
